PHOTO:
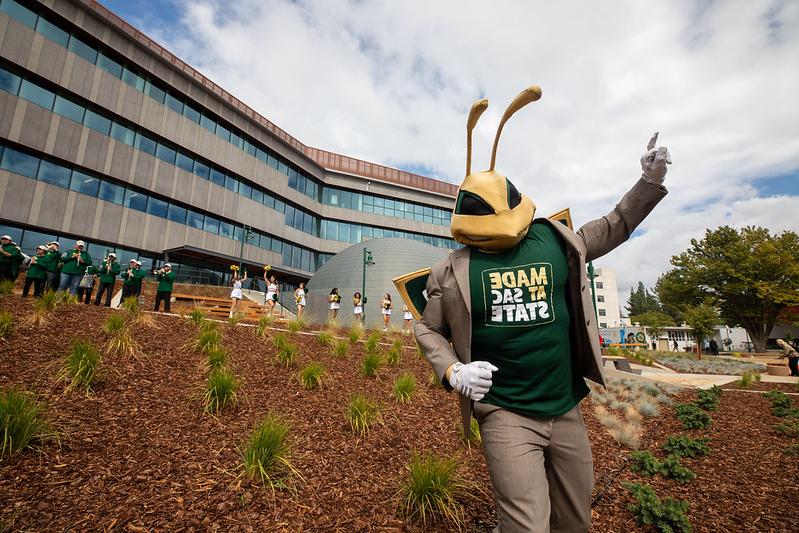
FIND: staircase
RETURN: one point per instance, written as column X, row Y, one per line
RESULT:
column 279, row 311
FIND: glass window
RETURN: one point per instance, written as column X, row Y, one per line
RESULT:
column 600, row 285
column 22, row 14
column 54, row 174
column 145, row 144
column 69, row 109
column 52, row 32
column 306, row 260
column 157, row 207
column 309, row 225
column 191, row 113
column 38, row 95
column 111, row 192
column 289, row 219
column 237, row 233
column 277, row 245
column 261, row 156
column 231, row 183
column 601, row 312
column 269, row 200
column 165, row 153
column 226, row 229
column 283, row 168
column 236, row 140
column 273, row 162
column 109, row 65
column 258, row 196
column 84, row 184
column 249, row 148
column 600, row 298
column 31, row 239
column 202, row 170
column 211, row 225
column 217, row 177
column 176, row 213
column 223, row 132
column 97, row 122
column 19, row 163
column 293, row 179
column 184, row 162
column 122, row 133
column 135, row 200
column 133, row 79
column 9, row 82
column 208, row 124
column 82, row 49
column 245, row 190
column 174, row 104
column 280, row 207
column 194, row 219
column 265, row 242
column 154, row 92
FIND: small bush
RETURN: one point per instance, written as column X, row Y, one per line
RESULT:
column 394, row 356
column 628, row 435
column 682, row 446
column 361, row 414
column 266, row 456
column 747, row 378
column 370, row 364
column 666, row 516
column 431, row 491
column 311, row 375
column 286, row 355
column 280, row 340
column 114, row 324
column 6, row 325
column 708, row 399
column 643, row 462
column 778, row 398
column 220, row 390
column 264, row 323
column 80, row 366
column 208, row 339
column 43, row 307
column 340, row 349
column 793, row 449
column 606, row 418
column 691, row 416
column 22, row 423
column 235, row 319
column 122, row 343
column 789, row 429
column 373, row 341
column 355, row 332
column 646, row 407
column 131, row 305
column 325, row 338
column 475, row 438
column 6, row 287
column 217, row 357
column 671, row 468
column 197, row 316
column 298, row 324
column 404, row 386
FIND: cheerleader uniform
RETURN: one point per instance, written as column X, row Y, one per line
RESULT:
column 358, row 309
column 334, row 302
column 271, row 292
column 299, row 296
column 386, row 311
column 236, row 292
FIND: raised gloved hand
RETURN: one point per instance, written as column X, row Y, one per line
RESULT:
column 472, row 380
column 654, row 161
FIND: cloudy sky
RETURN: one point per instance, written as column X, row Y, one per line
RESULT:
column 392, row 82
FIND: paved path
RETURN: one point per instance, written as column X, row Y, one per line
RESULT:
column 699, row 381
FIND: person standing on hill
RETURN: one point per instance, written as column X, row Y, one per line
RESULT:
column 385, row 310
column 236, row 295
column 8, row 255
column 299, row 298
column 36, row 274
column 166, row 279
column 107, row 272
column 357, row 308
column 76, row 261
column 335, row 303
column 131, row 280
column 272, row 290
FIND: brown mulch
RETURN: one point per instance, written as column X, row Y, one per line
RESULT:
column 139, row 454
column 764, row 386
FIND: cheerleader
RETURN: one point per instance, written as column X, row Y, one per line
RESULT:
column 272, row 291
column 408, row 317
column 385, row 308
column 357, row 307
column 299, row 297
column 235, row 294
column 335, row 304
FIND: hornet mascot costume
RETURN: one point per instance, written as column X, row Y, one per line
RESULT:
column 509, row 324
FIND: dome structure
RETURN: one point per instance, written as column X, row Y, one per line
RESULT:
column 392, row 257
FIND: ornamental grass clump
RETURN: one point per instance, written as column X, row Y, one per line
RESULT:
column 646, row 407
column 220, row 390
column 286, row 355
column 325, row 338
column 683, row 446
column 340, row 349
column 43, row 308
column 208, row 339
column 404, row 386
column 432, row 490
column 216, row 357
column 362, row 413
column 298, row 324
column 197, row 316
column 311, row 376
column 355, row 333
column 691, row 416
column 265, row 323
column 121, row 341
column 370, row 364
column 22, row 422
column 372, row 342
column 279, row 340
column 6, row 288
column 666, row 516
column 6, row 325
column 628, row 435
column 267, row 454
column 80, row 366
column 474, row 436
column 394, row 355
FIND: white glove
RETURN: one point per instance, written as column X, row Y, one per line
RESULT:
column 654, row 162
column 472, row 380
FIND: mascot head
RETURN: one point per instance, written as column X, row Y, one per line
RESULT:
column 490, row 213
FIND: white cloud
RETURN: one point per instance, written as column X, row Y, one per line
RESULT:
column 391, row 82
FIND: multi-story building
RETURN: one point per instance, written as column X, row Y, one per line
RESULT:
column 606, row 298
column 107, row 137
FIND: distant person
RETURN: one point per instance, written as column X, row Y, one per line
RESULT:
column 407, row 316
column 86, row 287
column 236, row 295
column 8, row 255
column 131, row 280
column 53, row 266
column 166, row 280
column 272, row 290
column 36, row 274
column 714, row 347
column 654, row 345
column 16, row 262
column 107, row 272
column 676, row 346
column 357, row 307
column 335, row 303
column 299, row 299
column 791, row 354
column 385, row 309
column 75, row 261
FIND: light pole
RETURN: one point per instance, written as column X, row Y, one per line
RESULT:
column 367, row 260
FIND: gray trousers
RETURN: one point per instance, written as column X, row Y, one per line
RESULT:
column 541, row 469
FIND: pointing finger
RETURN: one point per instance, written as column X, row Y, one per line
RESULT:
column 660, row 157
column 652, row 141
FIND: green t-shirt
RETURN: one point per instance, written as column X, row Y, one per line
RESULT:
column 106, row 275
column 520, row 324
column 71, row 264
column 165, row 281
column 133, row 280
column 38, row 269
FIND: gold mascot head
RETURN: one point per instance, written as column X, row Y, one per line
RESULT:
column 490, row 213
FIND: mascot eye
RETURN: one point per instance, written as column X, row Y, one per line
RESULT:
column 471, row 204
column 514, row 198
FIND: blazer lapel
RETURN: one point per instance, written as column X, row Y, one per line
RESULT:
column 460, row 267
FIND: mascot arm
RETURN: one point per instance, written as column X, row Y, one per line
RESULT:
column 602, row 235
column 432, row 332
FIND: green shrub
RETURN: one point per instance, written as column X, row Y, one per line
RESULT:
column 691, row 416
column 683, row 446
column 311, row 375
column 264, row 323
column 266, row 455
column 370, row 364
column 80, row 366
column 790, row 412
column 114, row 324
column 373, row 341
column 6, row 325
column 286, row 355
column 325, row 338
column 404, row 386
column 217, row 357
column 235, row 319
column 122, row 343
column 671, row 468
column 778, row 398
column 208, row 339
column 220, row 390
column 6, row 287
column 748, row 377
column 355, row 332
column 789, row 429
column 708, row 399
column 197, row 316
column 362, row 413
column 643, row 462
column 279, row 340
column 22, row 423
column 47, row 303
column 793, row 449
column 131, row 305
column 340, row 349
column 298, row 324
column 431, row 492
column 665, row 516
column 394, row 356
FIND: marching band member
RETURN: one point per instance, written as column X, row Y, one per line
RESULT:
column 76, row 261
column 166, row 279
column 37, row 273
column 108, row 272
column 53, row 266
column 8, row 255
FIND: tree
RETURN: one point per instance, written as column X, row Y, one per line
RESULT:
column 654, row 321
column 703, row 319
column 641, row 301
column 750, row 276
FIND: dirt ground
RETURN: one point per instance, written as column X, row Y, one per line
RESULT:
column 140, row 455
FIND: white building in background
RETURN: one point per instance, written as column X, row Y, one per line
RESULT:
column 606, row 298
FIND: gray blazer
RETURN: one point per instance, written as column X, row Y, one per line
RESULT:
column 447, row 316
